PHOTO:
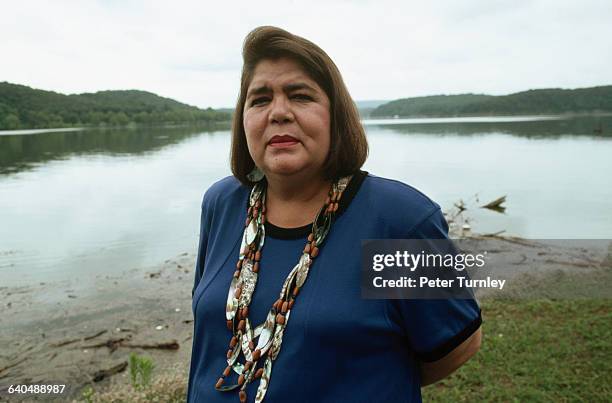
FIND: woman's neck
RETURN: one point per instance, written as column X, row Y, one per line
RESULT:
column 295, row 202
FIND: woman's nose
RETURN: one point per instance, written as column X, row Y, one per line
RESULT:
column 281, row 110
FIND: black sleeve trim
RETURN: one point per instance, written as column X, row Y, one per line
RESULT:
column 454, row 342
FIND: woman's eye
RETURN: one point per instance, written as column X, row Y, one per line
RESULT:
column 258, row 101
column 303, row 97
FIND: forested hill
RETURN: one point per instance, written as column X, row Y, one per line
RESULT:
column 532, row 102
column 23, row 107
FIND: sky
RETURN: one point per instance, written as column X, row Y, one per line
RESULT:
column 191, row 50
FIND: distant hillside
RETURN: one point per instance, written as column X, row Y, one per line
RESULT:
column 366, row 107
column 23, row 107
column 533, row 102
column 370, row 103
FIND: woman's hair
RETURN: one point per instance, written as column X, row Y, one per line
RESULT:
column 348, row 144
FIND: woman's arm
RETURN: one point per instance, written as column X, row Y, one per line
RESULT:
column 432, row 372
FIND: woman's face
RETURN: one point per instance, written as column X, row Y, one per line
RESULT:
column 286, row 119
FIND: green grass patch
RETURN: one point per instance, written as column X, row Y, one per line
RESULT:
column 538, row 351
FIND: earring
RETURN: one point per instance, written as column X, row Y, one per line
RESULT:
column 255, row 175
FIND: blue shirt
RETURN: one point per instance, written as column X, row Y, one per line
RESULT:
column 337, row 346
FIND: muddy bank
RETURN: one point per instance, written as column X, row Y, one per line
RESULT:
column 64, row 333
column 60, row 333
column 535, row 269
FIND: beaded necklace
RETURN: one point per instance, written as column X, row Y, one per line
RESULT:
column 263, row 343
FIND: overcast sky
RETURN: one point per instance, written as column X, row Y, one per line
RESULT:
column 190, row 50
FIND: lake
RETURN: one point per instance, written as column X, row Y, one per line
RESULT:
column 78, row 203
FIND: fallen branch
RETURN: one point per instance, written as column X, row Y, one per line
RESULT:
column 112, row 344
column 95, row 335
column 105, row 373
column 496, row 204
column 170, row 345
column 511, row 239
column 493, row 234
column 70, row 341
column 460, row 206
column 565, row 263
column 13, row 365
column 64, row 342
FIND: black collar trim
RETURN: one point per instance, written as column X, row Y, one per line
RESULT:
column 301, row 232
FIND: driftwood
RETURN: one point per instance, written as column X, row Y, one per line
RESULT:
column 112, row 344
column 105, row 373
column 565, row 263
column 170, row 345
column 493, row 234
column 510, row 239
column 70, row 341
column 64, row 342
column 93, row 336
column 460, row 205
column 496, row 205
column 12, row 365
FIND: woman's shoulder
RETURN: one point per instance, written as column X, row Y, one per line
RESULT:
column 398, row 203
column 225, row 194
column 392, row 192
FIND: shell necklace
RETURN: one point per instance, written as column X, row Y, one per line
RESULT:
column 260, row 345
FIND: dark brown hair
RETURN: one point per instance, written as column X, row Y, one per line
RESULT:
column 348, row 144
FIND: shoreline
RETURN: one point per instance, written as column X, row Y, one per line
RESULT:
column 146, row 311
column 216, row 125
column 366, row 121
column 76, row 334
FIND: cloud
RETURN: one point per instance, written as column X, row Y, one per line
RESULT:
column 190, row 50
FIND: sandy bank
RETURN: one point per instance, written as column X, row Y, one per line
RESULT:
column 56, row 333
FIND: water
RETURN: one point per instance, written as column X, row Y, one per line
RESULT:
column 78, row 204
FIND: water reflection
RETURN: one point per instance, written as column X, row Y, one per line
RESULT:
column 578, row 126
column 21, row 152
column 131, row 198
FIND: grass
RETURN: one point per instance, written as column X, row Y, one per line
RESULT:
column 536, row 351
column 141, row 369
column 167, row 387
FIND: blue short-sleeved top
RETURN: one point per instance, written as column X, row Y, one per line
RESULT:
column 337, row 346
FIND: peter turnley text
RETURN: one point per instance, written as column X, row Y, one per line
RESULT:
column 426, row 282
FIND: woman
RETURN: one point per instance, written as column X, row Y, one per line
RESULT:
column 276, row 300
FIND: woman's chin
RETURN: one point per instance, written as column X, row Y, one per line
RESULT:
column 285, row 168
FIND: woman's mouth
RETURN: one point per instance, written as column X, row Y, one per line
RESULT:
column 282, row 141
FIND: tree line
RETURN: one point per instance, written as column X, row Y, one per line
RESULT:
column 22, row 107
column 533, row 102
